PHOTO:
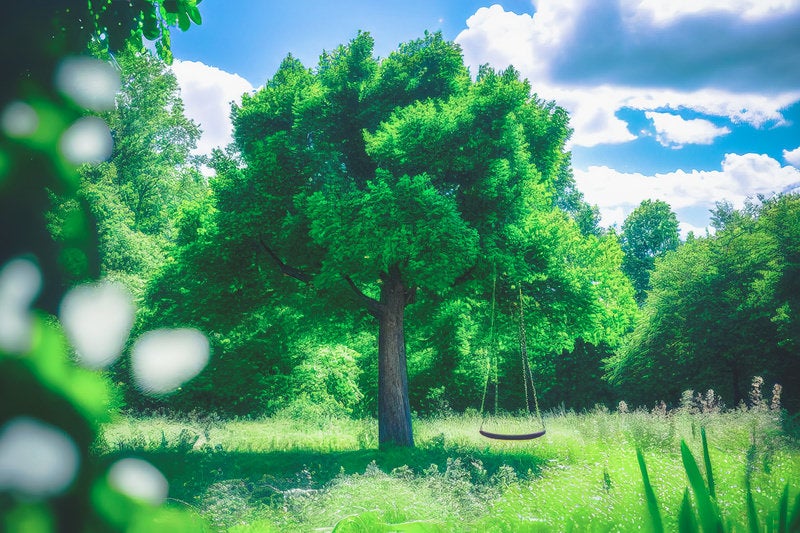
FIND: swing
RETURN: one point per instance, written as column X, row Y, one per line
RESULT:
column 527, row 377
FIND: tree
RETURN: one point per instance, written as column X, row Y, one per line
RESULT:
column 400, row 182
column 649, row 232
column 42, row 34
column 135, row 196
column 721, row 310
column 51, row 403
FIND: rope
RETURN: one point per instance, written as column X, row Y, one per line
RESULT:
column 523, row 352
column 492, row 364
column 526, row 367
column 492, row 351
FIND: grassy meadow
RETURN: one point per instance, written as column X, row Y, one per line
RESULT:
column 289, row 474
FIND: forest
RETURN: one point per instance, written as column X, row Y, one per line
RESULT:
column 306, row 329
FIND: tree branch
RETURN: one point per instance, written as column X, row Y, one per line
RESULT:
column 285, row 269
column 373, row 306
column 463, row 278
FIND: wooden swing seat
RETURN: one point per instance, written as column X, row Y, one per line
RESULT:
column 512, row 436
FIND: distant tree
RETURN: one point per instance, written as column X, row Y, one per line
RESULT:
column 404, row 181
column 649, row 232
column 42, row 33
column 721, row 310
column 135, row 196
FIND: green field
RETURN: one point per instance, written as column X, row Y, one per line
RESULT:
column 282, row 474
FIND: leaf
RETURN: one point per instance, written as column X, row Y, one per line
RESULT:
column 150, row 25
column 183, row 19
column 687, row 522
column 416, row 526
column 709, row 516
column 783, row 510
column 752, row 514
column 363, row 522
column 652, row 503
column 194, row 14
column 707, row 461
column 794, row 518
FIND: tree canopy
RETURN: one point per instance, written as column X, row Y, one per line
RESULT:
column 722, row 309
column 404, row 183
column 649, row 232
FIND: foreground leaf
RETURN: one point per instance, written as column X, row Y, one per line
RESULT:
column 652, row 503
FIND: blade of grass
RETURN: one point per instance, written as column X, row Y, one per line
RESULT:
column 794, row 519
column 707, row 513
column 650, row 495
column 783, row 510
column 686, row 519
column 752, row 514
column 707, row 461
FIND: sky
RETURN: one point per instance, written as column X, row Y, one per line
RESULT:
column 687, row 101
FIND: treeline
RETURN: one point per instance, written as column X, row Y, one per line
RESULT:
column 343, row 174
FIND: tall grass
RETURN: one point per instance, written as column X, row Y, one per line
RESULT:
column 585, row 474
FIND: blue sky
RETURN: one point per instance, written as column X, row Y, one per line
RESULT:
column 687, row 101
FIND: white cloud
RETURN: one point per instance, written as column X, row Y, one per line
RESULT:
column 596, row 57
column 684, row 228
column 675, row 131
column 739, row 177
column 792, row 156
column 661, row 12
column 207, row 93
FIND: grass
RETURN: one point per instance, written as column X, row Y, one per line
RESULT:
column 583, row 475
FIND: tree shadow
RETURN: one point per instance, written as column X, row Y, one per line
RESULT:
column 268, row 474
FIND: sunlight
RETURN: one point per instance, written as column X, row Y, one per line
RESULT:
column 20, row 283
column 19, row 120
column 90, row 83
column 88, row 140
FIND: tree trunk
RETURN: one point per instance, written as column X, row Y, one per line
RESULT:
column 394, row 411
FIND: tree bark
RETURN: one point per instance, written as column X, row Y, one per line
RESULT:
column 394, row 411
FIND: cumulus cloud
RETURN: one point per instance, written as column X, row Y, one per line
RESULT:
column 740, row 176
column 661, row 12
column 207, row 93
column 596, row 57
column 792, row 156
column 619, row 42
column 675, row 131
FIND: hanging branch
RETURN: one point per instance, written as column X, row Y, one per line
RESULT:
column 286, row 270
column 373, row 306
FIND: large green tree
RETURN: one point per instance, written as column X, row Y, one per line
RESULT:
column 402, row 181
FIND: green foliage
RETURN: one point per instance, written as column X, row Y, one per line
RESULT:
column 52, row 407
column 133, row 198
column 43, row 385
column 298, row 475
column 365, row 174
column 704, row 513
column 370, row 521
column 720, row 312
column 648, row 233
column 650, row 495
column 118, row 24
